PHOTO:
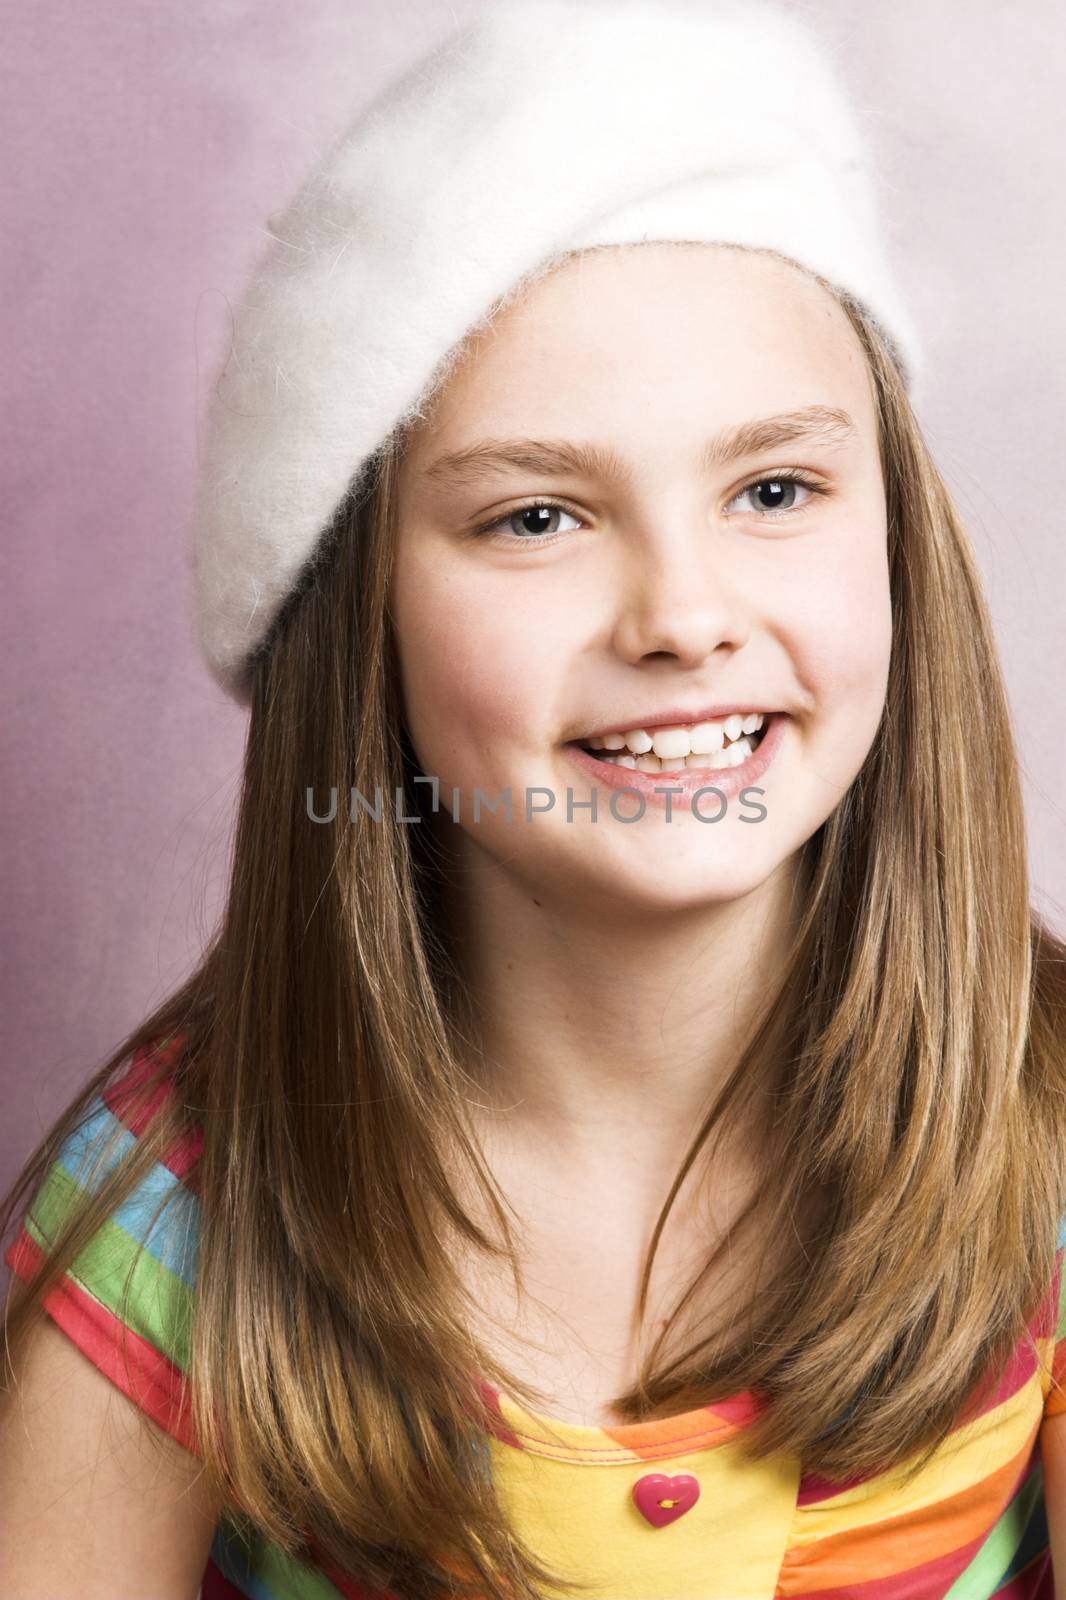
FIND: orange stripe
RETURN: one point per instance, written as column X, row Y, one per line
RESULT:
column 898, row 1545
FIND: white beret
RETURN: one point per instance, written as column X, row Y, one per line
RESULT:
column 538, row 128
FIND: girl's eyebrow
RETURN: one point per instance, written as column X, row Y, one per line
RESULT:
column 826, row 424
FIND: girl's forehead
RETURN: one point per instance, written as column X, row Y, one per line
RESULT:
column 677, row 344
column 661, row 287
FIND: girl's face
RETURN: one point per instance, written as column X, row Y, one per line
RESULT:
column 654, row 398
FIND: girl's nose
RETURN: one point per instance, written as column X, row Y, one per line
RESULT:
column 680, row 602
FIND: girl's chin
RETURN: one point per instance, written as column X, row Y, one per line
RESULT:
column 683, row 887
column 680, row 862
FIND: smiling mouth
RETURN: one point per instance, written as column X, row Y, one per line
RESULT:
column 707, row 746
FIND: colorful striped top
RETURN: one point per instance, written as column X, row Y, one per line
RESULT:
column 665, row 1510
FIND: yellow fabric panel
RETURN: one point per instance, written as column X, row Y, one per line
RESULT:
column 580, row 1517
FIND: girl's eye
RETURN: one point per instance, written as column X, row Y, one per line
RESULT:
column 538, row 519
column 781, row 497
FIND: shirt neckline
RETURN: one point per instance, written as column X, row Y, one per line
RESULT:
column 702, row 1428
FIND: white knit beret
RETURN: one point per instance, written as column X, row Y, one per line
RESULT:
column 538, row 128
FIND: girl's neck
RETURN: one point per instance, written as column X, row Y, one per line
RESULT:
column 605, row 1029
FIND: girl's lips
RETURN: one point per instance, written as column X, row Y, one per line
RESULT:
column 684, row 784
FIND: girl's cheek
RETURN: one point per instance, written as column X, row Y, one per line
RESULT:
column 840, row 647
column 840, row 622
column 475, row 679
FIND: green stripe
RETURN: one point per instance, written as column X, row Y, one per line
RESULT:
column 294, row 1579
column 259, row 1565
column 985, row 1572
column 159, row 1306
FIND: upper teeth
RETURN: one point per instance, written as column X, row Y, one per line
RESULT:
column 693, row 739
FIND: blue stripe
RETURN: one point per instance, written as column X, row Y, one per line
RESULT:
column 231, row 1559
column 174, row 1246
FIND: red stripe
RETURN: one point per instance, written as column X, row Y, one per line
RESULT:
column 153, row 1382
column 125, row 1099
column 1035, row 1581
column 495, row 1421
column 213, row 1586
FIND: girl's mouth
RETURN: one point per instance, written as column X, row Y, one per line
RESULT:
column 700, row 747
column 737, row 764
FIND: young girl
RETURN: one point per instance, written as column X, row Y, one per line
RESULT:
column 615, row 1143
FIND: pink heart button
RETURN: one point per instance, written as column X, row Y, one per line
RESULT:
column 661, row 1499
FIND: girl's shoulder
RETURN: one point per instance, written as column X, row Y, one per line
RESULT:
column 126, row 1299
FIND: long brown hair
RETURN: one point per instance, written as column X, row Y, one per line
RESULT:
column 913, row 1056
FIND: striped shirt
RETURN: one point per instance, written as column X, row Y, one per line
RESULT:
column 660, row 1510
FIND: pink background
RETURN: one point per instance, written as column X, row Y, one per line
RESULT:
column 150, row 143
